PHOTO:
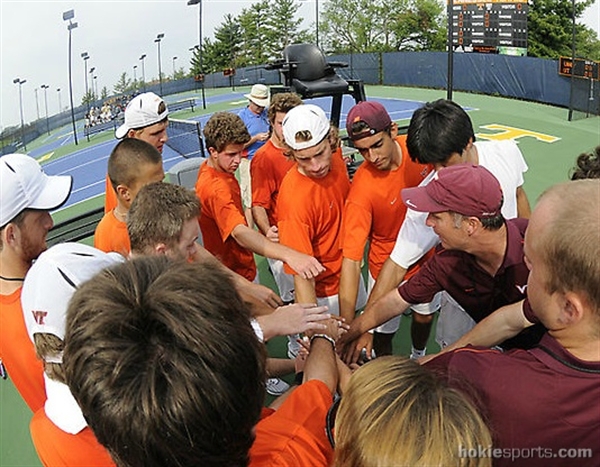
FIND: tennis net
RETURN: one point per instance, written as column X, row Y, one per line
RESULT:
column 185, row 137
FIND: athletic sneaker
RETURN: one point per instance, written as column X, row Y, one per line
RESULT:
column 293, row 346
column 276, row 386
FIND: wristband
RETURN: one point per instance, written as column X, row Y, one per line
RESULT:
column 323, row 336
column 299, row 378
column 257, row 329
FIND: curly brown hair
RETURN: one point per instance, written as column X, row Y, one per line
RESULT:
column 225, row 128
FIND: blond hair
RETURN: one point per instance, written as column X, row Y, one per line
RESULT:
column 396, row 413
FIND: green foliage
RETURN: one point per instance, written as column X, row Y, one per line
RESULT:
column 383, row 25
column 123, row 85
column 550, row 29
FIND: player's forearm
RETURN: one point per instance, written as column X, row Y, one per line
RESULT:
column 523, row 206
column 349, row 283
column 504, row 323
column 304, row 290
column 321, row 363
column 261, row 219
column 390, row 277
column 390, row 305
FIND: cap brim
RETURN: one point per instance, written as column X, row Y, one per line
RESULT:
column 54, row 194
column 419, row 200
column 259, row 102
column 121, row 131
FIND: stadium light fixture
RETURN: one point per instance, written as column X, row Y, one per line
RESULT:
column 86, row 57
column 68, row 16
column 158, row 40
column 21, row 82
column 45, row 88
column 199, row 3
column 142, row 58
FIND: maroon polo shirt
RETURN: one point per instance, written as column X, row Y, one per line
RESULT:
column 468, row 283
column 542, row 404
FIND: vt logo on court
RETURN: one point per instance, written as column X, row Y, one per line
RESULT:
column 509, row 132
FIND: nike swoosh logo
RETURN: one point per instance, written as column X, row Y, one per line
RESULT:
column 394, row 200
column 410, row 204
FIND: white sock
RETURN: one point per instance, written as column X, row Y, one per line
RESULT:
column 416, row 353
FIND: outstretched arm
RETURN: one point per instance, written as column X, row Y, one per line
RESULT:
column 305, row 265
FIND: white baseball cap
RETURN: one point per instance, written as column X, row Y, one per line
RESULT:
column 51, row 282
column 24, row 185
column 307, row 117
column 142, row 111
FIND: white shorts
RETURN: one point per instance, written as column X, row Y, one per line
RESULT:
column 245, row 182
column 453, row 322
column 333, row 301
column 391, row 326
column 285, row 282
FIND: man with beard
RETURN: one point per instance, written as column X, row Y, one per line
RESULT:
column 27, row 196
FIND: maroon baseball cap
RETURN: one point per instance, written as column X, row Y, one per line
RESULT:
column 470, row 190
column 372, row 114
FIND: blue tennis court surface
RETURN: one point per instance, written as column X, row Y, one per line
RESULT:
column 88, row 166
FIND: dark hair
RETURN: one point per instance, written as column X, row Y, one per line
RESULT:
column 163, row 361
column 587, row 165
column 158, row 213
column 437, row 130
column 125, row 159
column 225, row 128
column 282, row 102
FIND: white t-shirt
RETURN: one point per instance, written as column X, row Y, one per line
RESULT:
column 503, row 159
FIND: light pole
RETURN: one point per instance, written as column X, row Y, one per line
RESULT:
column 59, row 101
column 37, row 105
column 142, row 58
column 86, row 57
column 45, row 88
column 95, row 94
column 174, row 58
column 68, row 16
column 158, row 39
column 199, row 2
column 96, row 85
column 21, row 82
column 135, row 76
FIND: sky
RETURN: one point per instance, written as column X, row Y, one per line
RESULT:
column 114, row 33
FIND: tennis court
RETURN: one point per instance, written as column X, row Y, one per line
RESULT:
column 548, row 141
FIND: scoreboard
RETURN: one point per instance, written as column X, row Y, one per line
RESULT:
column 580, row 69
column 496, row 26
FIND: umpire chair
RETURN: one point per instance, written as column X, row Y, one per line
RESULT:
column 306, row 72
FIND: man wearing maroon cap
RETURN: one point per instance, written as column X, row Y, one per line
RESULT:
column 373, row 211
column 441, row 133
column 479, row 262
column 542, row 404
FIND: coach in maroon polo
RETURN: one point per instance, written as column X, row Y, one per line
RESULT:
column 479, row 261
column 543, row 404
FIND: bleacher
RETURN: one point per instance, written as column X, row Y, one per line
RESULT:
column 181, row 105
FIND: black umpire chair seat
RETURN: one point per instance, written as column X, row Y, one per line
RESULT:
column 306, row 72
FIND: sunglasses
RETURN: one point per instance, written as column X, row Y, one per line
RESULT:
column 330, row 419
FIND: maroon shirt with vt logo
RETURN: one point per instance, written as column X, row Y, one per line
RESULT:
column 479, row 293
column 474, row 289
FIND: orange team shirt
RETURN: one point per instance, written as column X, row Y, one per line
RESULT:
column 18, row 352
column 111, row 235
column 56, row 447
column 267, row 169
column 374, row 210
column 310, row 220
column 295, row 434
column 110, row 197
column 221, row 211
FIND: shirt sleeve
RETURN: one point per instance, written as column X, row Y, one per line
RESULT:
column 414, row 239
column 517, row 161
column 422, row 287
column 224, row 211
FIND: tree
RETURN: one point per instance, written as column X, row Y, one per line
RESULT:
column 123, row 85
column 283, row 27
